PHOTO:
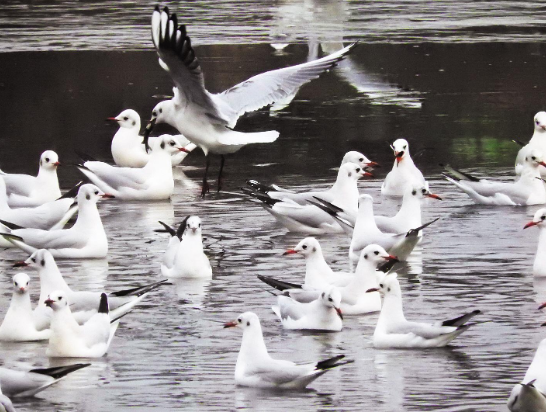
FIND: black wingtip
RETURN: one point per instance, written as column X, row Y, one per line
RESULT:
column 11, row 236
column 10, row 225
column 84, row 156
column 168, row 228
column 332, row 363
column 182, row 228
column 60, row 371
column 72, row 192
column 278, row 284
column 103, row 306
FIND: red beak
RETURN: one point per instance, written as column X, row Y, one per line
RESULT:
column 390, row 257
column 542, row 164
column 434, row 196
column 183, row 149
column 372, row 290
column 290, row 252
column 373, row 164
column 113, row 119
column 367, row 174
column 338, row 310
column 542, row 306
column 48, row 302
column 230, row 325
column 530, row 224
column 21, row 289
column 20, row 264
column 108, row 196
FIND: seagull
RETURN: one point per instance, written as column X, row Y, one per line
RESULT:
column 408, row 217
column 49, row 215
column 83, row 304
column 530, row 394
column 151, row 182
column 404, row 173
column 255, row 368
column 321, row 314
column 394, row 331
column 538, row 141
column 297, row 214
column 86, row 239
column 30, row 191
column 189, row 260
column 528, row 190
column 71, row 340
column 5, row 403
column 366, row 232
column 208, row 119
column 539, row 266
column 354, row 297
column 127, row 146
column 20, row 324
column 20, row 384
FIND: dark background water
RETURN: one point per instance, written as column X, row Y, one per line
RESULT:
column 461, row 79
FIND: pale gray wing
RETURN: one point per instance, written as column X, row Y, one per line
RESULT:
column 19, row 184
column 290, row 308
column 424, row 330
column 117, row 177
column 52, row 239
column 269, row 87
column 177, row 57
column 280, row 371
column 517, row 193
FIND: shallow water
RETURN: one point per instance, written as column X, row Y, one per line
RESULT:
column 463, row 103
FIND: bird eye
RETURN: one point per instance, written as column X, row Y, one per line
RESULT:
column 381, row 285
column 60, row 298
column 424, row 191
column 239, row 320
column 330, row 300
column 125, row 118
column 304, row 247
column 96, row 192
column 361, row 159
column 248, row 324
column 405, row 147
column 47, row 159
column 389, row 289
column 199, row 225
column 376, row 253
column 154, row 113
column 358, row 169
column 537, row 122
column 33, row 259
column 534, row 158
column 172, row 143
column 543, row 217
column 414, row 192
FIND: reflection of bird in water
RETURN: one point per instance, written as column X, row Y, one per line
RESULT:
column 193, row 291
column 324, row 23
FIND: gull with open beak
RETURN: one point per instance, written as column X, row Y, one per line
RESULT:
column 31, row 191
column 404, row 173
column 127, row 146
column 256, row 368
column 539, row 265
column 86, row 239
column 528, row 190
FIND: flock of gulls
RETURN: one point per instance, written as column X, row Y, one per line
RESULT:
column 82, row 324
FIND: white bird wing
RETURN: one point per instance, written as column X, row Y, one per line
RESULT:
column 302, row 295
column 423, row 330
column 178, row 58
column 272, row 86
column 118, row 177
column 279, row 372
column 19, row 184
column 289, row 308
column 515, row 192
column 51, row 239
column 96, row 330
column 14, row 382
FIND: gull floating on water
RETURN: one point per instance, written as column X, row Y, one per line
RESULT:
column 85, row 239
column 30, row 191
column 296, row 212
column 20, row 323
column 20, row 384
column 69, row 339
column 186, row 259
column 538, row 141
column 127, row 145
column 404, row 173
column 530, row 394
column 528, row 190
column 208, row 119
column 151, row 182
column 539, row 265
column 394, row 331
column 321, row 314
column 256, row 368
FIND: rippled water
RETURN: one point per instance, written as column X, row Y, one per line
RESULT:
column 463, row 103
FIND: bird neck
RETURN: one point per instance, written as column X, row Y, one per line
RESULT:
column 193, row 241
column 391, row 311
column 315, row 263
column 51, row 279
column 542, row 241
column 47, row 174
column 365, row 274
column 345, row 191
column 88, row 216
column 411, row 206
column 159, row 159
column 253, row 345
column 63, row 319
column 20, row 302
column 365, row 219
